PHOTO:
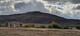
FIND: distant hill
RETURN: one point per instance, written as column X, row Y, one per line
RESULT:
column 38, row 17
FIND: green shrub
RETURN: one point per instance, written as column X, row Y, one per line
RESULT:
column 26, row 26
column 6, row 25
column 66, row 27
column 42, row 26
column 30, row 26
column 0, row 25
column 49, row 26
column 77, row 27
column 54, row 25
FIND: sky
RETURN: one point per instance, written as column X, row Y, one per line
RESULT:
column 69, row 9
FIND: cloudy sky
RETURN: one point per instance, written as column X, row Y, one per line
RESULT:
column 65, row 8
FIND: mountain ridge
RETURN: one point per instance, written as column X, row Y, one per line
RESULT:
column 38, row 17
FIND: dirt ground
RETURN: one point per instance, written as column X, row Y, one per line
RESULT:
column 38, row 32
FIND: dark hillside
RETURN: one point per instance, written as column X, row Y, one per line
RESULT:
column 37, row 17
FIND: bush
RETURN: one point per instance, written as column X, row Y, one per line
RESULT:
column 0, row 25
column 78, row 27
column 54, row 25
column 30, row 26
column 49, row 26
column 26, row 26
column 6, row 24
column 66, row 27
column 42, row 26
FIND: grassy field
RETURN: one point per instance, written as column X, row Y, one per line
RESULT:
column 38, row 32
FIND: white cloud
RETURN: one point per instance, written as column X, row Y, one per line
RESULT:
column 60, row 8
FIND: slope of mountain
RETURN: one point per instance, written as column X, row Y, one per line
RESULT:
column 37, row 17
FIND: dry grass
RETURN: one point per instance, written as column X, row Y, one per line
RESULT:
column 37, row 32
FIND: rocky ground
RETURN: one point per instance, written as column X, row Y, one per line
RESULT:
column 38, row 32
